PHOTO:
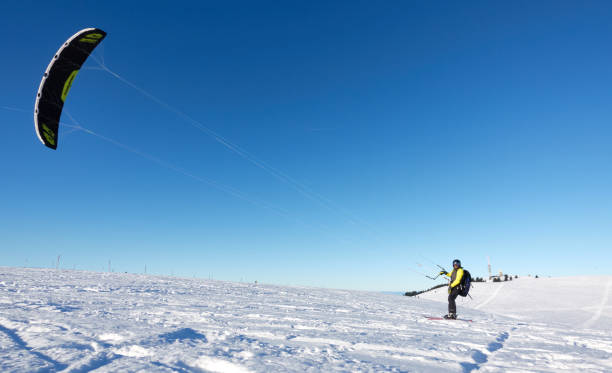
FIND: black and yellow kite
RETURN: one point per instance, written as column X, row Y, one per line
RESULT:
column 57, row 81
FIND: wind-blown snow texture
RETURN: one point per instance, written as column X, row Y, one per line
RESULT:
column 77, row 321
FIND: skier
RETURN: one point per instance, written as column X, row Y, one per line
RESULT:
column 453, row 288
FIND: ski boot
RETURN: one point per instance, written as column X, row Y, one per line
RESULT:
column 451, row 316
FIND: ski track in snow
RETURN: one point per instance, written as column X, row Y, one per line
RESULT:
column 73, row 321
column 602, row 306
column 493, row 296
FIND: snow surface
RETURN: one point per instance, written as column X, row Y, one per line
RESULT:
column 76, row 321
column 574, row 302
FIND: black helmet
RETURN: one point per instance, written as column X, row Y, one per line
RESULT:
column 457, row 262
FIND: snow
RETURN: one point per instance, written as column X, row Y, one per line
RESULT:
column 575, row 302
column 75, row 321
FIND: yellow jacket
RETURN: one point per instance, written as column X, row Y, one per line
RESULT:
column 456, row 275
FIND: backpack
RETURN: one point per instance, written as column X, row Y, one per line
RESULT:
column 464, row 285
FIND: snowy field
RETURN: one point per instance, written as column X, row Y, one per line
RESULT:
column 573, row 302
column 76, row 321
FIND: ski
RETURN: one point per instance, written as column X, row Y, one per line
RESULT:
column 442, row 318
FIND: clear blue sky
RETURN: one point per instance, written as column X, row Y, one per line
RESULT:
column 381, row 137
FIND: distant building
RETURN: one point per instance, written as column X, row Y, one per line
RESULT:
column 499, row 277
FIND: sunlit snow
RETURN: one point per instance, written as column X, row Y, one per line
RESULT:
column 75, row 321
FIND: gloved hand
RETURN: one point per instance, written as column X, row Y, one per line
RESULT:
column 443, row 272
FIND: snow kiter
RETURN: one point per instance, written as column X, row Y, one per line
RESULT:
column 57, row 80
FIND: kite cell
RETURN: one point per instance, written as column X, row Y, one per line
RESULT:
column 56, row 82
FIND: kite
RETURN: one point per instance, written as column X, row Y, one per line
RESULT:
column 57, row 80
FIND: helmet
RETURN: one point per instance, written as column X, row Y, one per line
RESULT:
column 457, row 262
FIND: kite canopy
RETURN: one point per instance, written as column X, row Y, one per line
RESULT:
column 58, row 78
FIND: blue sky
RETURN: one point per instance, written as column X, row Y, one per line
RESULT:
column 362, row 141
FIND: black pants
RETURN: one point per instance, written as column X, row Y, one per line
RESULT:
column 452, row 307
